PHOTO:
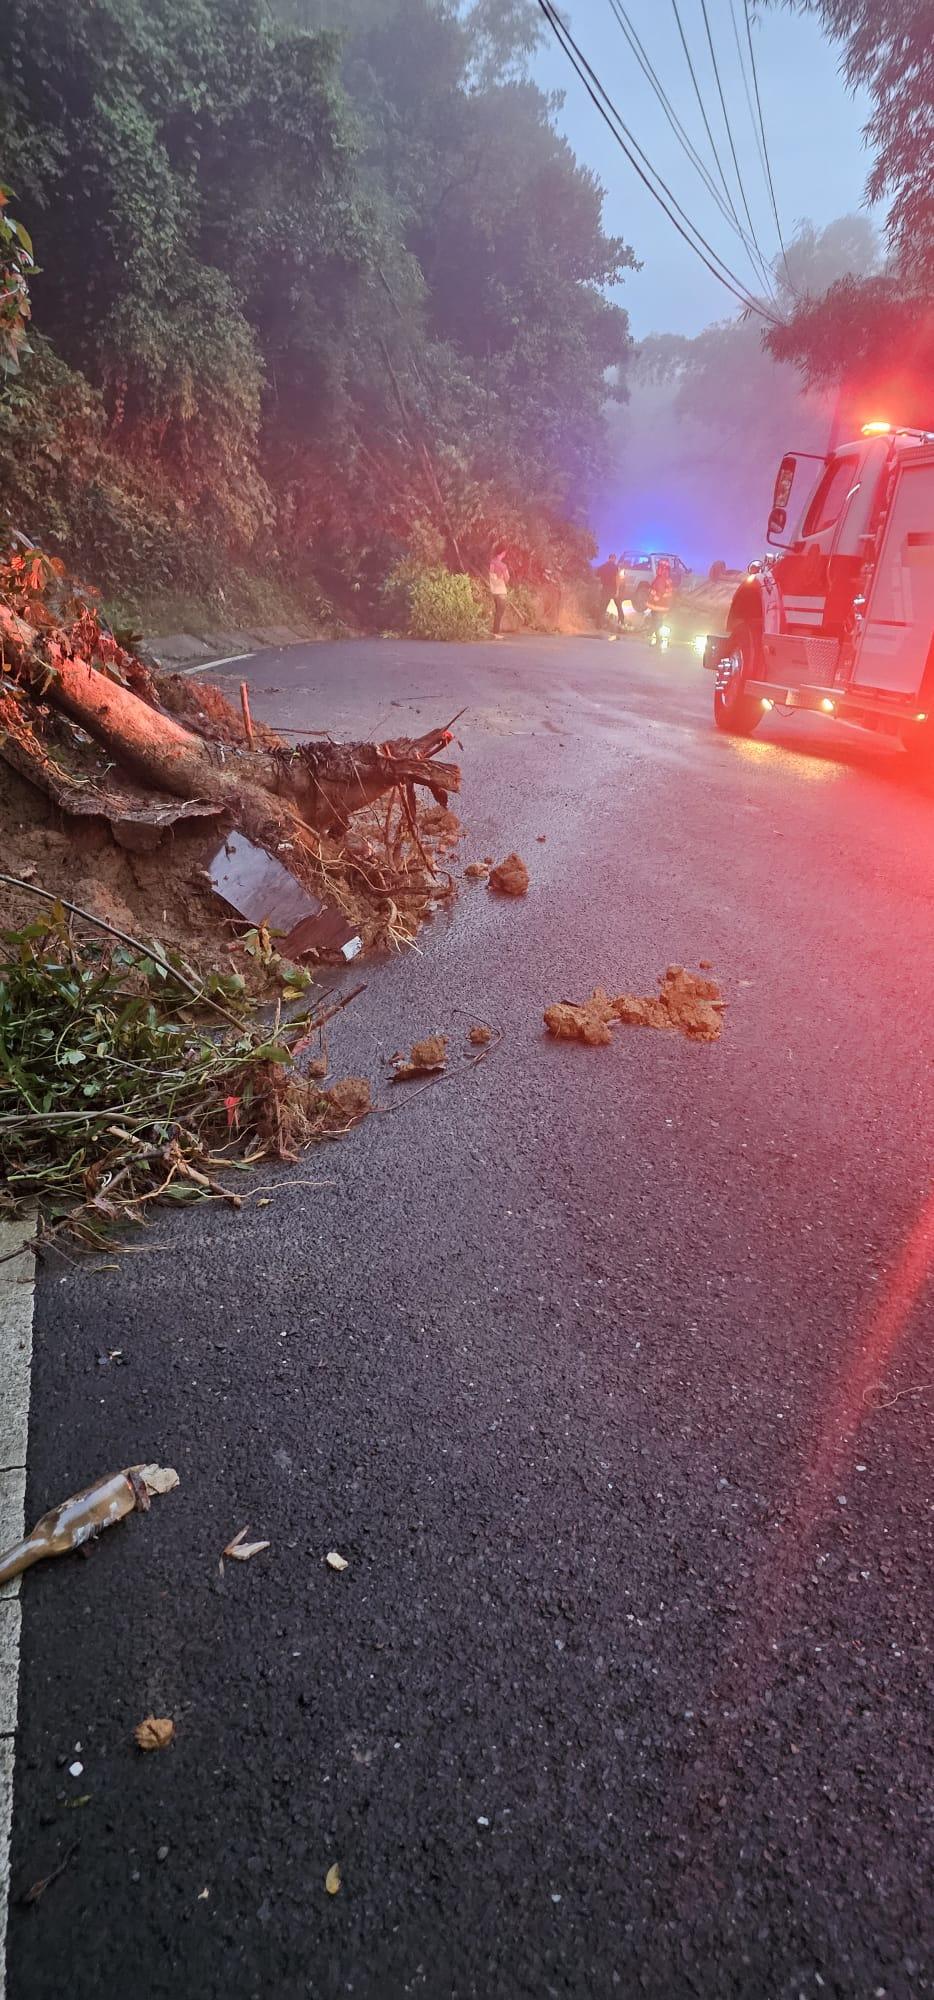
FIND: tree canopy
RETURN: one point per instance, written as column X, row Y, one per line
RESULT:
column 871, row 334
column 332, row 275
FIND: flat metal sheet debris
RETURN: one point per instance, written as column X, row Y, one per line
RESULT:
column 328, row 931
column 258, row 887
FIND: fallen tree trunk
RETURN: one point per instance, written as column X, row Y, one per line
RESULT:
column 324, row 783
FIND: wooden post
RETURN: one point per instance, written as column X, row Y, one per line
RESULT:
column 247, row 717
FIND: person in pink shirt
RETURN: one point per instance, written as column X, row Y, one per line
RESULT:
column 499, row 578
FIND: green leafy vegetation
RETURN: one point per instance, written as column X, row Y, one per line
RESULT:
column 322, row 288
column 435, row 603
column 870, row 334
column 112, row 1097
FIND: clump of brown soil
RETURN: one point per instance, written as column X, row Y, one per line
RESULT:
column 510, row 877
column 685, row 1002
column 164, row 895
column 441, row 825
column 585, row 1021
column 693, row 1005
column 480, row 1034
column 425, row 1058
column 477, row 871
column 348, row 1099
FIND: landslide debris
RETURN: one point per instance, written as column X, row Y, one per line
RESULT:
column 119, row 784
column 141, row 821
column 426, row 1058
column 686, row 1002
column 510, row 877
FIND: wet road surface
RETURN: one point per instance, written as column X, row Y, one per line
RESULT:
column 608, row 1371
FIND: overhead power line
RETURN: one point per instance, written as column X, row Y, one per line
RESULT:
column 766, row 271
column 765, row 145
column 638, row 50
column 646, row 173
column 744, row 73
column 703, row 112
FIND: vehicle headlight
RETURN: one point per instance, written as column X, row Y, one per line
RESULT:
column 699, row 643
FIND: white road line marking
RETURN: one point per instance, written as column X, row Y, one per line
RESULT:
column 230, row 661
column 17, row 1287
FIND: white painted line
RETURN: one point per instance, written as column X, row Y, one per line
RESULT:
column 17, row 1287
column 230, row 661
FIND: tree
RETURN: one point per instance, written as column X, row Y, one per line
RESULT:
column 709, row 417
column 873, row 342
column 184, row 159
column 888, row 45
column 336, row 280
column 874, row 339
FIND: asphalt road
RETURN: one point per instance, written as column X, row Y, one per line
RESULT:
column 608, row 1372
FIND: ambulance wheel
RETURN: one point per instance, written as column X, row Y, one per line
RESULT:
column 735, row 711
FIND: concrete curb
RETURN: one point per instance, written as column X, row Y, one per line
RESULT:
column 17, row 1287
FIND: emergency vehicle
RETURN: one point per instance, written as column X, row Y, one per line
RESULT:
column 841, row 619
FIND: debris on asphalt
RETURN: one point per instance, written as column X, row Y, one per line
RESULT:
column 291, row 1113
column 693, row 1005
column 241, row 1550
column 37, row 1889
column 158, row 1478
column 86, row 1514
column 442, row 825
column 477, row 871
column 76, row 1770
column 425, row 1058
column 582, row 1021
column 510, row 877
column 155, row 1732
column 332, row 1880
column 348, row 1099
column 334, row 1561
column 685, row 1002
column 540, row 837
column 480, row 1034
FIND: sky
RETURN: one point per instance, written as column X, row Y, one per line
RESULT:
column 813, row 128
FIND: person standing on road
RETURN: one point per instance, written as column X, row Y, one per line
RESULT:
column 499, row 578
column 608, row 575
